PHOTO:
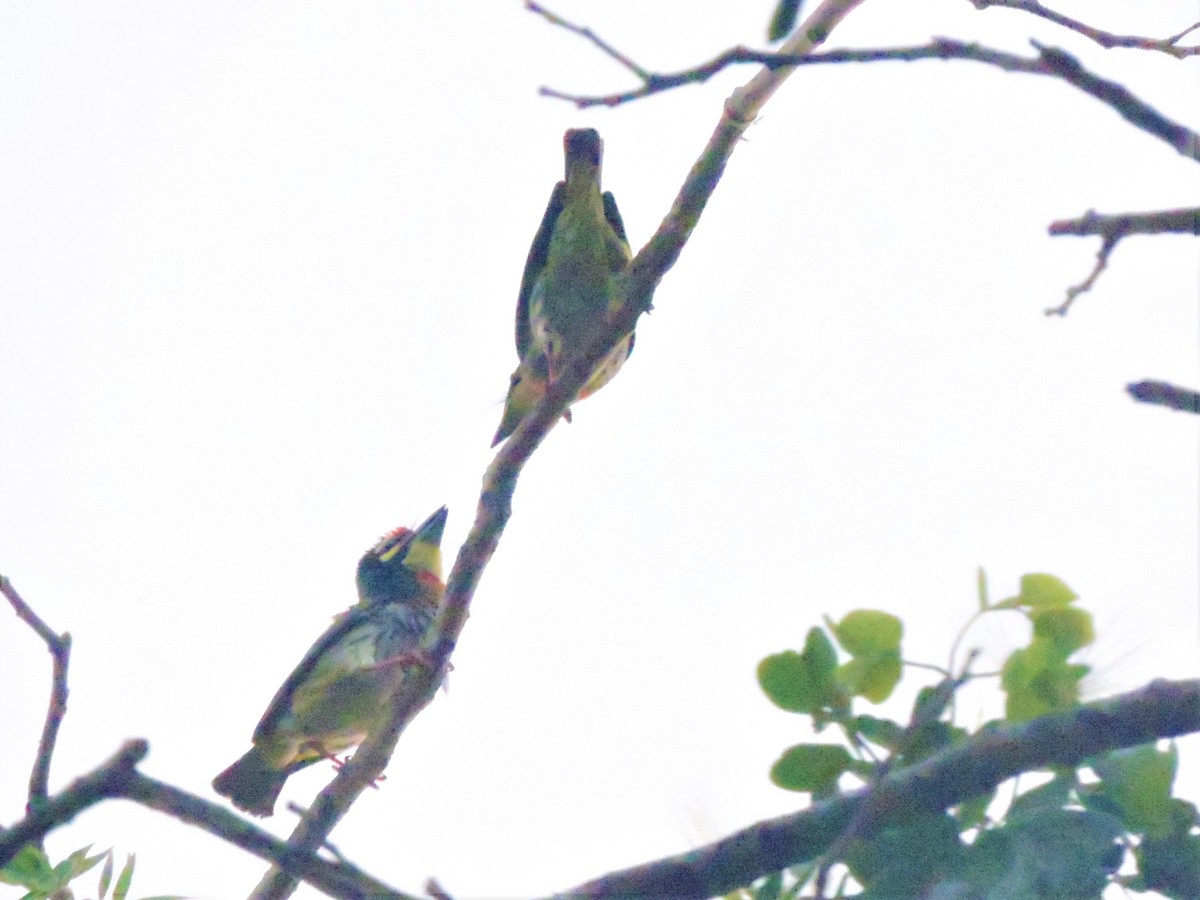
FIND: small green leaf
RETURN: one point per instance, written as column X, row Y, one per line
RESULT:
column 810, row 767
column 784, row 19
column 872, row 677
column 801, row 682
column 981, row 586
column 1067, row 627
column 1138, row 781
column 1038, row 680
column 881, row 732
column 1054, row 794
column 121, row 888
column 1171, row 865
column 105, row 875
column 973, row 812
column 1038, row 590
column 867, row 632
column 30, row 868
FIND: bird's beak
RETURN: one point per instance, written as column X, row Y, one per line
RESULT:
column 430, row 531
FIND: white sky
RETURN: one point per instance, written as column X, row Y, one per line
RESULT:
column 258, row 263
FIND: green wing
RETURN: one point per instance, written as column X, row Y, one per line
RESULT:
column 535, row 262
column 282, row 701
column 613, row 215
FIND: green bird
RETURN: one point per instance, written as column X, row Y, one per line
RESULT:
column 339, row 692
column 567, row 290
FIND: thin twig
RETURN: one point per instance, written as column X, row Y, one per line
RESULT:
column 1161, row 709
column 589, row 35
column 1103, row 38
column 59, row 646
column 1050, row 61
column 1102, row 255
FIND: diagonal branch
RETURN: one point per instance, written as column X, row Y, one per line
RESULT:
column 59, row 646
column 499, row 484
column 1105, row 39
column 118, row 778
column 1162, row 709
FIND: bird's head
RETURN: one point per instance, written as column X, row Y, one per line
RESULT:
column 525, row 389
column 584, row 151
column 405, row 565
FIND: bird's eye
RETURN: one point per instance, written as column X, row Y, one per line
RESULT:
column 515, row 380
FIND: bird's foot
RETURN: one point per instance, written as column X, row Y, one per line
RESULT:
column 339, row 764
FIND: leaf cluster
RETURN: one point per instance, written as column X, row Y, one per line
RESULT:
column 1075, row 830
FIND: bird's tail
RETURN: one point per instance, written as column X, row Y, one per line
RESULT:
column 252, row 784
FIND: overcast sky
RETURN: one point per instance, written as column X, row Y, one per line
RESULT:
column 258, row 265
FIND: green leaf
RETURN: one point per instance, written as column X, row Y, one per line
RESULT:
column 121, row 888
column 869, row 632
column 1039, row 591
column 31, row 869
column 904, row 860
column 1171, row 864
column 784, row 19
column 881, row 732
column 981, row 586
column 973, row 812
column 1061, row 853
column 1052, row 795
column 1037, row 680
column 872, row 677
column 1067, row 627
column 105, row 875
column 1138, row 781
column 801, row 682
column 810, row 767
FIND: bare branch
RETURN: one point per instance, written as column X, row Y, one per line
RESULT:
column 1102, row 255
column 1113, row 228
column 589, row 35
column 105, row 781
column 1164, row 221
column 1050, row 61
column 1103, row 38
column 118, row 778
column 336, row 878
column 1163, row 394
column 1162, row 709
column 59, row 646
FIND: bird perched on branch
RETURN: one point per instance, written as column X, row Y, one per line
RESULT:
column 568, row 288
column 340, row 690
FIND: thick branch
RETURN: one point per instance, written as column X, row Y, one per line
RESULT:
column 59, row 646
column 1162, row 709
column 1106, row 39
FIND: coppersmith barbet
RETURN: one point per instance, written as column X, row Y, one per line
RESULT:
column 568, row 288
column 341, row 688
